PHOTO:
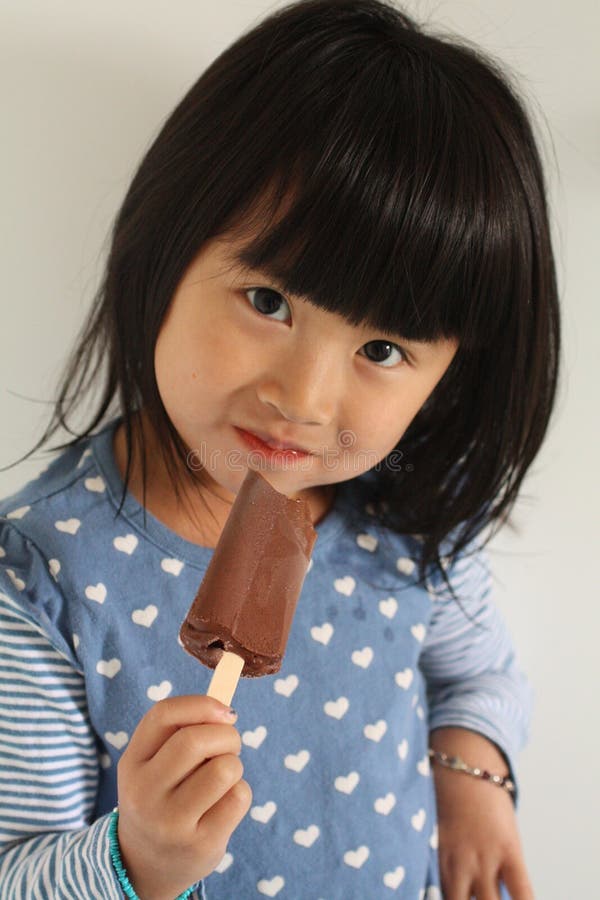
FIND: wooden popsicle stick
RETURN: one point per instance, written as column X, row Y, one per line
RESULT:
column 225, row 677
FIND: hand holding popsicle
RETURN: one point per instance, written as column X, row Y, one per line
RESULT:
column 181, row 794
column 241, row 616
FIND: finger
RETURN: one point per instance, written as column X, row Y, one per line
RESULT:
column 187, row 749
column 515, row 877
column 166, row 716
column 205, row 788
column 219, row 822
column 456, row 884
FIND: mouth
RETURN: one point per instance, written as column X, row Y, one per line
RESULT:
column 273, row 444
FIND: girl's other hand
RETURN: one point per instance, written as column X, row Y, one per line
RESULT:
column 181, row 794
column 479, row 843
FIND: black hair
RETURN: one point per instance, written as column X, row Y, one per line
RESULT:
column 388, row 175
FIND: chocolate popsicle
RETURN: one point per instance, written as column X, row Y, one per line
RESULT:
column 243, row 611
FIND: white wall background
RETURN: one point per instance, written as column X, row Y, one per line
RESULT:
column 85, row 88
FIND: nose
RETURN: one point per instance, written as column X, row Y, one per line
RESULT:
column 305, row 390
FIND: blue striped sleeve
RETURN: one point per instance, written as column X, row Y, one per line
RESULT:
column 49, row 773
column 469, row 662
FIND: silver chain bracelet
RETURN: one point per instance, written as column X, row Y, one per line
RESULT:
column 459, row 765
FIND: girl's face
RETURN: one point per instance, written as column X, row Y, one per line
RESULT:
column 234, row 356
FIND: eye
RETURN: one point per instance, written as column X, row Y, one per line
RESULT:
column 382, row 352
column 267, row 302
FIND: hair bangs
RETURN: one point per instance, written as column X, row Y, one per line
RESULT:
column 391, row 213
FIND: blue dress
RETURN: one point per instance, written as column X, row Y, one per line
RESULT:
column 334, row 745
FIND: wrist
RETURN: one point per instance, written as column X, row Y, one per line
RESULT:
column 150, row 891
column 457, row 751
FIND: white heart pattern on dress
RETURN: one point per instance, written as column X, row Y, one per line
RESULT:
column 345, row 784
column 224, row 864
column 389, row 607
column 418, row 820
column 96, row 592
column 70, row 526
column 54, row 567
column 307, row 837
column 322, row 633
column 84, row 456
column 367, row 542
column 286, row 686
column 118, row 739
column 376, row 731
column 159, row 691
column 270, row 888
column 95, row 484
column 126, row 543
column 18, row 582
column 263, row 813
column 337, row 709
column 345, row 585
column 108, row 667
column 433, row 840
column 254, row 738
column 418, row 632
column 296, row 761
column 423, row 766
column 404, row 678
column 172, row 566
column 363, row 658
column 394, row 879
column 356, row 858
column 18, row 513
column 403, row 749
column 384, row 805
column 145, row 616
column 405, row 565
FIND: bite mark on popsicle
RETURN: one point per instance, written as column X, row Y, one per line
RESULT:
column 239, row 621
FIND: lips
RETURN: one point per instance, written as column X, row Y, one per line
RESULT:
column 276, row 444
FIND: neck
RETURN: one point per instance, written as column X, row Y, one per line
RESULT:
column 200, row 519
column 203, row 512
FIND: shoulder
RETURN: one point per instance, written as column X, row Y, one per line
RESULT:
column 399, row 553
column 68, row 489
column 468, row 572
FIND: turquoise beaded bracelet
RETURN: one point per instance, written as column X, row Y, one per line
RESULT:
column 115, row 855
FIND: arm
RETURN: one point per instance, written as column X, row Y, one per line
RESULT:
column 469, row 663
column 480, row 706
column 50, row 847
column 48, row 772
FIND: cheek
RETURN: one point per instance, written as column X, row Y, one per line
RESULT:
column 171, row 366
column 199, row 364
column 382, row 425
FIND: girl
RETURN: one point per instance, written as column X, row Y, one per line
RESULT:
column 333, row 264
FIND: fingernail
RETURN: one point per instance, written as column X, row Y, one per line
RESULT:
column 230, row 713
